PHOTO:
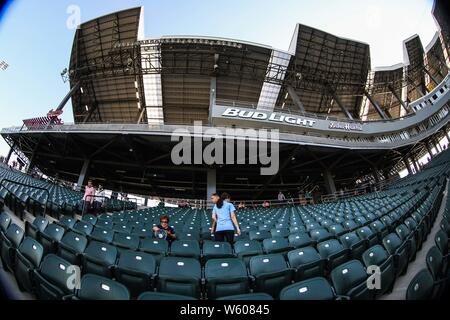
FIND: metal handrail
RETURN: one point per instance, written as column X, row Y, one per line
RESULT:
column 26, row 185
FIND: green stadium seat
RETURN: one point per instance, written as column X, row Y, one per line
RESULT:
column 179, row 275
column 441, row 241
column 158, row 248
column 438, row 269
column 349, row 280
column 124, row 241
column 5, row 221
column 270, row 273
column 245, row 249
column 102, row 235
column 216, row 250
column 50, row 237
column 137, row 271
column 378, row 256
column 320, row 235
column 395, row 247
column 72, row 246
column 333, row 252
column 99, row 258
column 89, row 218
column 52, row 278
column 406, row 235
column 225, row 277
column 355, row 244
column 368, row 235
column 66, row 222
column 276, row 245
column 259, row 235
column 9, row 242
column 94, row 287
column 311, row 289
column 82, row 227
column 34, row 229
column 299, row 240
column 185, row 248
column 307, row 263
column 421, row 286
column 28, row 258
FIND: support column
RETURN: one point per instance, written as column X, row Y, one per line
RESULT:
column 295, row 98
column 403, row 103
column 83, row 174
column 433, row 79
column 338, row 101
column 212, row 97
column 30, row 165
column 415, row 165
column 10, row 153
column 437, row 146
column 408, row 167
column 376, row 106
column 376, row 175
column 429, row 149
column 210, row 186
column 329, row 181
column 146, row 201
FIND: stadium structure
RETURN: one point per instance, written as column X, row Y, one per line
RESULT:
column 342, row 125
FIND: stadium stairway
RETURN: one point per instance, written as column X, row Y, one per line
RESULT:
column 402, row 283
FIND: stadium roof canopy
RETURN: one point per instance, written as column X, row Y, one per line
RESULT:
column 123, row 77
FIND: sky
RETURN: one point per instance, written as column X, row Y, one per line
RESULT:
column 36, row 36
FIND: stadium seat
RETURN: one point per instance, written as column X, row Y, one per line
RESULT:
column 225, row 277
column 336, row 229
column 162, row 296
column 378, row 227
column 136, row 270
column 311, row 289
column 179, row 275
column 270, row 273
column 50, row 237
column 158, row 248
column 99, row 258
column 82, row 227
column 245, row 249
column 94, row 287
column 124, row 241
column 299, row 240
column 34, row 229
column 320, row 235
column 52, row 278
column 72, row 246
column 394, row 246
column 215, row 250
column 5, row 221
column 421, row 286
column 355, row 244
column 283, row 233
column 368, row 235
column 276, row 245
column 66, row 222
column 349, row 280
column 259, row 235
column 333, row 252
column 28, row 259
column 406, row 235
column 10, row 241
column 441, row 241
column 102, row 235
column 185, row 248
column 307, row 263
column 438, row 270
column 445, row 226
column 248, row 297
column 89, row 218
column 378, row 256
column 105, row 224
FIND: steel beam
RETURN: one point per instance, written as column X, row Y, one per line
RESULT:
column 295, row 98
column 338, row 101
column 403, row 103
column 376, row 106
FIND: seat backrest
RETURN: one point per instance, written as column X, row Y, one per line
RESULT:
column 311, row 289
column 375, row 256
column 441, row 240
column 185, row 248
column 83, row 227
column 54, row 232
column 101, row 252
column 213, row 247
column 74, row 241
column 225, row 269
column 55, row 270
column 364, row 232
column 5, row 221
column 421, row 286
column 67, row 222
column 392, row 242
column 349, row 239
column 151, row 245
column 303, row 256
column 15, row 235
column 347, row 276
column 329, row 247
column 267, row 264
column 243, row 247
column 40, row 223
column 32, row 251
column 434, row 261
column 94, row 287
column 126, row 240
column 137, row 261
column 180, row 267
column 402, row 231
column 274, row 244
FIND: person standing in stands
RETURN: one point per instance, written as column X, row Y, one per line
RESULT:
column 100, row 199
column 89, row 195
column 224, row 219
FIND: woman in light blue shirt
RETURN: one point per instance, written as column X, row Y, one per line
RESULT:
column 224, row 220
